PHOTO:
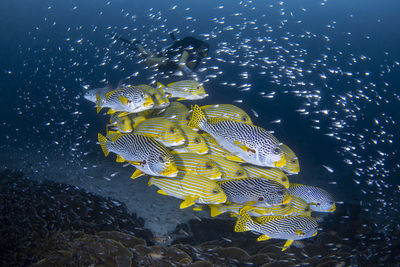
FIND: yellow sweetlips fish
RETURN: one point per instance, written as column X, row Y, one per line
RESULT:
column 127, row 99
column 230, row 170
column 289, row 228
column 146, row 154
column 255, row 192
column 292, row 165
column 197, row 164
column 158, row 95
column 194, row 142
column 177, row 113
column 122, row 124
column 184, row 90
column 267, row 173
column 318, row 199
column 234, row 209
column 162, row 130
column 192, row 188
column 226, row 111
column 250, row 143
column 300, row 207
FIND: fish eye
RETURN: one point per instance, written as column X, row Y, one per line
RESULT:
column 331, row 203
column 161, row 159
column 280, row 192
column 292, row 161
column 244, row 118
column 260, row 199
column 197, row 140
column 239, row 173
column 215, row 191
column 307, row 209
column 208, row 166
column 276, row 150
column 283, row 206
column 172, row 130
column 284, row 179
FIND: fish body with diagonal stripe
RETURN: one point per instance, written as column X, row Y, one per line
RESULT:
column 250, row 143
column 191, row 188
column 146, row 154
column 289, row 228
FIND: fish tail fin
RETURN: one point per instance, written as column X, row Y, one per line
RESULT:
column 242, row 222
column 98, row 103
column 102, row 140
column 214, row 210
column 198, row 118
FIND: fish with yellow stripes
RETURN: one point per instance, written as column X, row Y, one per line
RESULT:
column 191, row 188
column 184, row 90
column 197, row 164
column 176, row 112
column 300, row 207
column 279, row 210
column 255, row 192
column 318, row 199
column 122, row 124
column 146, row 154
column 158, row 95
column 162, row 130
column 268, row 173
column 127, row 99
column 289, row 228
column 230, row 170
column 292, row 165
column 194, row 142
column 226, row 111
column 250, row 143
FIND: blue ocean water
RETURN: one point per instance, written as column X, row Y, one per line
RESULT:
column 323, row 75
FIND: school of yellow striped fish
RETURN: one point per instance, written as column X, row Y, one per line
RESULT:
column 211, row 157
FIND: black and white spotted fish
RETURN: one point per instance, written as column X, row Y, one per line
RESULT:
column 289, row 228
column 255, row 191
column 318, row 199
column 102, row 91
column 127, row 99
column 146, row 154
column 250, row 143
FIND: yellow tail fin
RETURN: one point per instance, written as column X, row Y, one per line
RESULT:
column 198, row 118
column 241, row 223
column 102, row 140
column 214, row 210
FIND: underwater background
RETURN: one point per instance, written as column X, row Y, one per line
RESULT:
column 323, row 75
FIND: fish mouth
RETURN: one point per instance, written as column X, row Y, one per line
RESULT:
column 333, row 208
column 287, row 199
column 281, row 162
column 170, row 172
column 148, row 102
column 216, row 176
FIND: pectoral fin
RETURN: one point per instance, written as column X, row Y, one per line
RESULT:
column 110, row 111
column 137, row 174
column 199, row 208
column 123, row 100
column 287, row 244
column 122, row 114
column 162, row 192
column 110, row 93
column 249, row 203
column 244, row 147
column 120, row 159
column 189, row 201
column 263, row 238
column 234, row 158
column 181, row 98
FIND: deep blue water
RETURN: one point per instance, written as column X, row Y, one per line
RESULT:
column 50, row 50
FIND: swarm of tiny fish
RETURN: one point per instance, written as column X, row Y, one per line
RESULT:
column 210, row 156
